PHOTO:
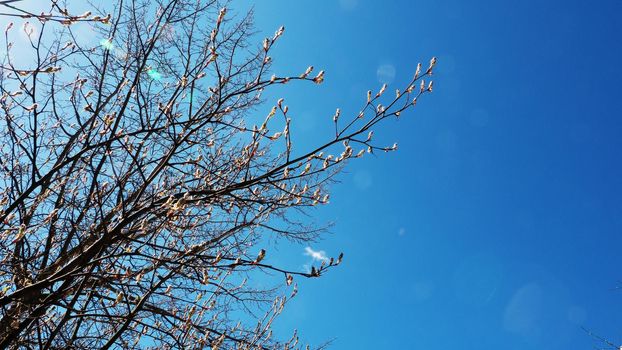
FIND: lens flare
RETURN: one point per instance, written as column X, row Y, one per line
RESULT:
column 154, row 74
column 106, row 44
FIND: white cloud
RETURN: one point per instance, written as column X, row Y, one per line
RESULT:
column 318, row 255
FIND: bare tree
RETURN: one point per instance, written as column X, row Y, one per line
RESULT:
column 138, row 180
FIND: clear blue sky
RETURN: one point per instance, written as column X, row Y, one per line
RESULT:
column 497, row 224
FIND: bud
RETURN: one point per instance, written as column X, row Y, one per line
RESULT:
column 106, row 20
column 382, row 89
column 307, row 72
column 306, row 169
column 418, row 71
column 260, row 256
column 432, row 64
column 369, row 136
column 279, row 32
column 221, row 15
column 336, row 116
column 319, row 78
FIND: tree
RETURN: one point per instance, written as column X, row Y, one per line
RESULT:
column 137, row 179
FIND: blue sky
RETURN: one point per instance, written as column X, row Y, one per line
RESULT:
column 497, row 223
